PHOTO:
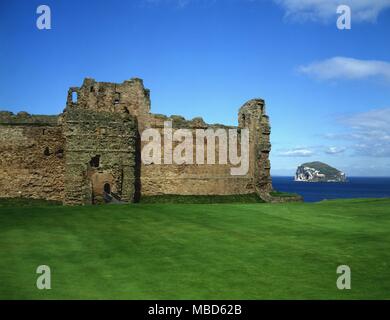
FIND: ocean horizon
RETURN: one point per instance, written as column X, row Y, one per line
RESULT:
column 355, row 187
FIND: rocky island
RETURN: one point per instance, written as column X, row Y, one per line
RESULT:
column 319, row 172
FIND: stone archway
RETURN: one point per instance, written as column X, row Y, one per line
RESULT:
column 103, row 184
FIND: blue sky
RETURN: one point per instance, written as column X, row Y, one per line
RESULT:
column 327, row 90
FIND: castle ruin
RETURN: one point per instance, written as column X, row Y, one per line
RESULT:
column 93, row 149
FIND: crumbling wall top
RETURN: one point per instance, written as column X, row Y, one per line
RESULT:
column 129, row 97
column 24, row 118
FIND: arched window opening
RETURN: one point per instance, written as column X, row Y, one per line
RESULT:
column 75, row 97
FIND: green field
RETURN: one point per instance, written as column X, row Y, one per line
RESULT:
column 196, row 251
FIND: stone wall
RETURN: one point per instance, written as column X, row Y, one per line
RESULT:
column 191, row 179
column 253, row 115
column 31, row 157
column 129, row 97
column 100, row 152
column 95, row 144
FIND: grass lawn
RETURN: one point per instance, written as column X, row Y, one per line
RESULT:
column 197, row 251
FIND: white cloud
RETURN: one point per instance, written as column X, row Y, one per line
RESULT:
column 369, row 132
column 334, row 150
column 347, row 68
column 378, row 119
column 325, row 10
column 297, row 152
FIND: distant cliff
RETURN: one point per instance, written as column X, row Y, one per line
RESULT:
column 319, row 172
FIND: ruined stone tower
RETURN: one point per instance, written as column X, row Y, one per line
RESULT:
column 252, row 115
column 92, row 150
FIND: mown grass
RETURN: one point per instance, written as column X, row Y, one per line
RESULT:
column 202, row 199
column 283, row 194
column 197, row 251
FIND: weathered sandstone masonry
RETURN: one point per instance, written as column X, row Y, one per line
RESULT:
column 31, row 156
column 94, row 146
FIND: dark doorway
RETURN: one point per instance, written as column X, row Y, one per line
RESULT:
column 107, row 188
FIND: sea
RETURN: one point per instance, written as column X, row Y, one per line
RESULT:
column 355, row 187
